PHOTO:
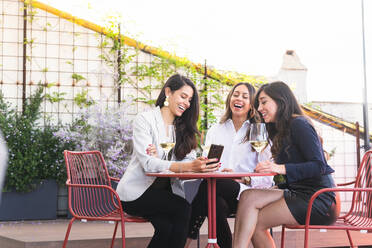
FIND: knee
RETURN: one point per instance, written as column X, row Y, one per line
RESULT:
column 163, row 228
column 249, row 199
column 247, row 196
column 183, row 211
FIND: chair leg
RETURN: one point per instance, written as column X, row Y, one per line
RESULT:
column 306, row 239
column 283, row 237
column 68, row 232
column 350, row 239
column 114, row 235
column 123, row 233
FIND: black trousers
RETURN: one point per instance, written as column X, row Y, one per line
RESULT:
column 226, row 204
column 168, row 213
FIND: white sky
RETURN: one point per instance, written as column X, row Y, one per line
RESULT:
column 251, row 36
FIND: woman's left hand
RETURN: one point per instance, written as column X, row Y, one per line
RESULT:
column 270, row 167
column 151, row 150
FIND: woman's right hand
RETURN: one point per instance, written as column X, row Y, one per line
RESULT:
column 270, row 167
column 200, row 165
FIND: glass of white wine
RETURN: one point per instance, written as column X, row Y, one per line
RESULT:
column 170, row 140
column 258, row 137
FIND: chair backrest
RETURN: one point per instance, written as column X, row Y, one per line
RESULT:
column 361, row 209
column 88, row 169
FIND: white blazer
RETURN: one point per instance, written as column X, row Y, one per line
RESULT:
column 148, row 128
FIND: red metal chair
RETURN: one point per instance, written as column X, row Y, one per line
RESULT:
column 90, row 195
column 358, row 217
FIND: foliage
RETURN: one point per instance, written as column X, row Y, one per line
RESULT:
column 77, row 77
column 117, row 56
column 34, row 152
column 82, row 100
column 55, row 97
column 108, row 131
column 279, row 179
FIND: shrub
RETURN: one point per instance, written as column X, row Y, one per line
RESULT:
column 34, row 152
column 108, row 131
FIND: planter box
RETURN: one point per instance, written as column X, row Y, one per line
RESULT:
column 40, row 204
column 62, row 201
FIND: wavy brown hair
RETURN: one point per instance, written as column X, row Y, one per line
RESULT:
column 287, row 109
column 252, row 115
column 186, row 124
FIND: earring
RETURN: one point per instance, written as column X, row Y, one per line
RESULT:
column 166, row 103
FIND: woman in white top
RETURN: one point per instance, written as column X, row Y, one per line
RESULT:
column 232, row 132
column 161, row 200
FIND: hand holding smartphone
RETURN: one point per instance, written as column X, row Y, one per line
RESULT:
column 215, row 152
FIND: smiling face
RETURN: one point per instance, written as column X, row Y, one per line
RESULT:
column 179, row 100
column 240, row 102
column 267, row 107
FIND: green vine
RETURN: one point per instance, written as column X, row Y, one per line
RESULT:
column 82, row 100
column 77, row 77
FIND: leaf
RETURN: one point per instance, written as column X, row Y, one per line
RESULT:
column 77, row 77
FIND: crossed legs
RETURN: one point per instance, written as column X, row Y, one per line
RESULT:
column 258, row 210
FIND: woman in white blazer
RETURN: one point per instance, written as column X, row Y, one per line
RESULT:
column 161, row 200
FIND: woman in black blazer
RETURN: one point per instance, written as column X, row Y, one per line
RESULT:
column 298, row 155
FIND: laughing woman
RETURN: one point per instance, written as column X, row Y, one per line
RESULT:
column 298, row 155
column 232, row 132
column 161, row 200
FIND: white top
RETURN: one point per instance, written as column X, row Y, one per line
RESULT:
column 238, row 155
column 148, row 128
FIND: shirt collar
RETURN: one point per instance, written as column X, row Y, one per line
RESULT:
column 247, row 122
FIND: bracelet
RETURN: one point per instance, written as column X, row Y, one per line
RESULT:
column 247, row 181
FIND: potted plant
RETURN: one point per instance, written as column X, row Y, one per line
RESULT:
column 35, row 163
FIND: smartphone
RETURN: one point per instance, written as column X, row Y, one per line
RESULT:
column 215, row 152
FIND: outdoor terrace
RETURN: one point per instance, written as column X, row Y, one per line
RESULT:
column 41, row 234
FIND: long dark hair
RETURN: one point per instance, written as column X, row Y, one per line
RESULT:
column 186, row 124
column 252, row 115
column 287, row 109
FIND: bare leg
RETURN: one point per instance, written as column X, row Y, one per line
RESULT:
column 273, row 214
column 250, row 203
column 188, row 242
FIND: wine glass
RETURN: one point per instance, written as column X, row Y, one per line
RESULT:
column 170, row 140
column 258, row 137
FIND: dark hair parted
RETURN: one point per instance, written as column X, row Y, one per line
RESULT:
column 186, row 124
column 252, row 115
column 287, row 109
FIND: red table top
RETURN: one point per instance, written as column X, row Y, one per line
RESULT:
column 192, row 175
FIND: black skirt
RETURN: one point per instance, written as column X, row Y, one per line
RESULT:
column 297, row 197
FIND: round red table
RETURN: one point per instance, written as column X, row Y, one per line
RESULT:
column 211, row 180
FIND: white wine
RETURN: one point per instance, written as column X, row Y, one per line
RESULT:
column 167, row 146
column 258, row 145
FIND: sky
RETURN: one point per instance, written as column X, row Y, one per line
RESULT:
column 251, row 36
